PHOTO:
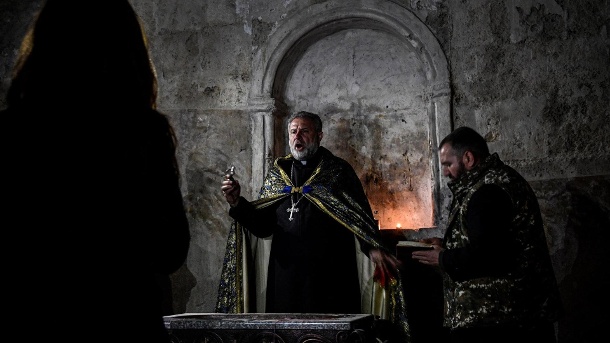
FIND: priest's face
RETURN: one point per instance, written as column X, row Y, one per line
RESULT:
column 303, row 138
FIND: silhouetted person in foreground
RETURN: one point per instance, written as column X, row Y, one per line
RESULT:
column 93, row 210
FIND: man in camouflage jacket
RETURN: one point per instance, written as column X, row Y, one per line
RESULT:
column 499, row 284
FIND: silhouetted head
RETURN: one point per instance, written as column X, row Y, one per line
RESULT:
column 83, row 52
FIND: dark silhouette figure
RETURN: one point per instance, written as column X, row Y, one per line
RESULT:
column 92, row 207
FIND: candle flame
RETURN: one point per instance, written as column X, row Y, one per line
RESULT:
column 398, row 225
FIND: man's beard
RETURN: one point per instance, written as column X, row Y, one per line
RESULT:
column 460, row 172
column 306, row 153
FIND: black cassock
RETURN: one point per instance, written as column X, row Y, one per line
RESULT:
column 312, row 263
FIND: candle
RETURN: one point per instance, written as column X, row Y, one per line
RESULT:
column 398, row 226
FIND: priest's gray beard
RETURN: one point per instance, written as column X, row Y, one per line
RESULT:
column 306, row 153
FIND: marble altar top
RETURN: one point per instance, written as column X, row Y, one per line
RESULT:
column 266, row 321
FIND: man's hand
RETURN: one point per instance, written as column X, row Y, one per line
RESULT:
column 429, row 256
column 231, row 190
column 386, row 266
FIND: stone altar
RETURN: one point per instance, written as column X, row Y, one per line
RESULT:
column 270, row 327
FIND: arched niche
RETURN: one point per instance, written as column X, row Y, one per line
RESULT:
column 277, row 61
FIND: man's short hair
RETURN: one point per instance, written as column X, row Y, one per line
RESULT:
column 317, row 122
column 465, row 139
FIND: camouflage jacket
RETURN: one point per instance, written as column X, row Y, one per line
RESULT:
column 526, row 294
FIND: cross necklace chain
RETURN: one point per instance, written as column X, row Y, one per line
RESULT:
column 293, row 209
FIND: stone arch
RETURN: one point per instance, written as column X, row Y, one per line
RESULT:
column 274, row 61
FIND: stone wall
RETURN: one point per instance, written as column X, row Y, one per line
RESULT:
column 533, row 76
